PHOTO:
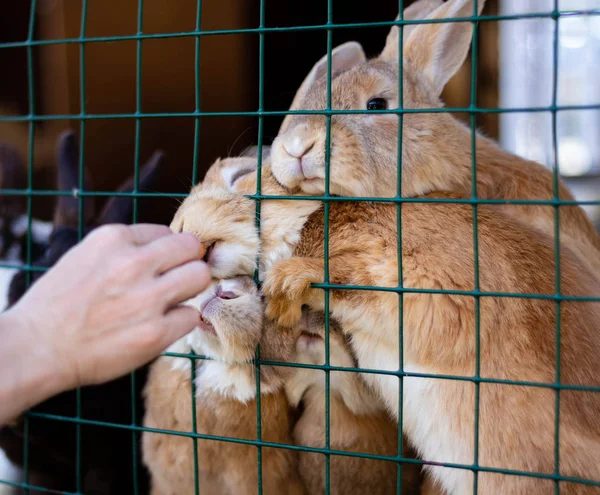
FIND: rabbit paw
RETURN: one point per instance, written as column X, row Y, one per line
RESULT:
column 287, row 286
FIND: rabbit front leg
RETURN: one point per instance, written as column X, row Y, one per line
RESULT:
column 288, row 287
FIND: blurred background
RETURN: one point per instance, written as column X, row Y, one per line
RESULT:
column 515, row 70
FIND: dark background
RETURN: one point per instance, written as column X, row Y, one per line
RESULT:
column 228, row 80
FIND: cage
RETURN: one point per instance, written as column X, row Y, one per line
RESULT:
column 205, row 79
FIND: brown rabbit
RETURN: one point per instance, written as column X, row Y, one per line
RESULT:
column 436, row 147
column 358, row 420
column 228, row 332
column 517, row 335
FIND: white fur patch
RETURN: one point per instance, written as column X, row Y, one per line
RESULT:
column 232, row 259
column 40, row 231
column 430, row 427
column 235, row 381
column 181, row 346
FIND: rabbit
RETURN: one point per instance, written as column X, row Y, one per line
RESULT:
column 517, row 335
column 436, row 147
column 106, row 453
column 229, row 329
column 519, row 448
column 358, row 420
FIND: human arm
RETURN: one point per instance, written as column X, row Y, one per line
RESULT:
column 110, row 305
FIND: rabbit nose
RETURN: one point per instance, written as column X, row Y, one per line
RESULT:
column 223, row 294
column 298, row 147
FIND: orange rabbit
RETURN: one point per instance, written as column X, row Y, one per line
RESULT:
column 230, row 328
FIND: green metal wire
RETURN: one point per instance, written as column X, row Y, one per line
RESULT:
column 136, row 183
column 261, row 103
column 398, row 200
column 194, row 426
column 197, row 94
column 313, row 27
column 472, row 122
column 399, row 248
column 555, row 187
column 326, row 250
column 194, row 181
column 81, row 219
column 281, row 113
column 31, row 97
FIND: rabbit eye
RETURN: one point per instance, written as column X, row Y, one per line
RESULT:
column 377, row 104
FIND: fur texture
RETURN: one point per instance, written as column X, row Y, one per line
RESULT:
column 436, row 147
column 358, row 420
column 517, row 335
column 516, row 255
column 228, row 332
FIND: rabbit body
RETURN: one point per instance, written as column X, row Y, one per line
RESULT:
column 358, row 421
column 517, row 335
column 225, row 402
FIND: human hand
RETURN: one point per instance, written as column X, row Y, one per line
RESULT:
column 111, row 304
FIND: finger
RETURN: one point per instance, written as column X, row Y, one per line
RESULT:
column 184, row 282
column 145, row 233
column 179, row 321
column 172, row 251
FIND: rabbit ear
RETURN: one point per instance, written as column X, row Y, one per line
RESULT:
column 66, row 213
column 418, row 10
column 252, row 152
column 437, row 50
column 342, row 57
column 119, row 209
column 12, row 176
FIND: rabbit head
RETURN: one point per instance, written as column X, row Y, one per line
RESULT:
column 231, row 239
column 64, row 232
column 231, row 320
column 364, row 147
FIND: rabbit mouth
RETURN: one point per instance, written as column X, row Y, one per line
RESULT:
column 206, row 325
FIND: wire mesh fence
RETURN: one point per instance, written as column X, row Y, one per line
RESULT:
column 557, row 298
